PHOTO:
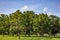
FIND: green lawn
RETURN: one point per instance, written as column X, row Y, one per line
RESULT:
column 26, row 38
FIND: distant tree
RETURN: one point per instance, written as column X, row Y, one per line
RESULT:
column 28, row 15
column 54, row 24
column 29, row 23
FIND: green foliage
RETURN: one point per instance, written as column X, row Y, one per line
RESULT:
column 28, row 23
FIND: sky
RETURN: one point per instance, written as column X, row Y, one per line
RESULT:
column 51, row 7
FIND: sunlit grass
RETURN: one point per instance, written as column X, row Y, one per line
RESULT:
column 5, row 37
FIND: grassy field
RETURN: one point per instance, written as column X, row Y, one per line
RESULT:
column 26, row 38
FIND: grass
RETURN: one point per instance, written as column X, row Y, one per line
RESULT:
column 26, row 38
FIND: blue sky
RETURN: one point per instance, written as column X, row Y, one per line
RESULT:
column 38, row 6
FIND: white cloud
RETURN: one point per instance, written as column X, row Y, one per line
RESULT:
column 48, row 11
column 30, row 7
column 45, row 9
column 33, row 7
column 8, row 11
column 25, row 8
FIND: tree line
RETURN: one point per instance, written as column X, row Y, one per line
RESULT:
column 29, row 23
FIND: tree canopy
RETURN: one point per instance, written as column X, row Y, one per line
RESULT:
column 29, row 23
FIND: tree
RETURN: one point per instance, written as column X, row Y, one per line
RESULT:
column 29, row 23
column 28, row 15
column 54, row 24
